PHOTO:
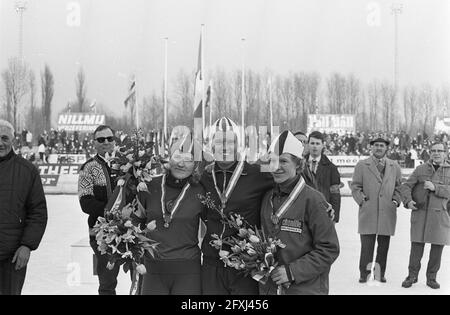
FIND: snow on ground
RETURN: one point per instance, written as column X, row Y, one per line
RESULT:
column 55, row 267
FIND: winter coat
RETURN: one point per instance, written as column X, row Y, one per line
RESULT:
column 23, row 208
column 311, row 242
column 430, row 223
column 328, row 183
column 375, row 195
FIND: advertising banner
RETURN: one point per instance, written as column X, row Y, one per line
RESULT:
column 82, row 122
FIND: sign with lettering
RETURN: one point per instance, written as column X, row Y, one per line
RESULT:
column 58, row 169
column 83, row 122
column 339, row 124
column 67, row 159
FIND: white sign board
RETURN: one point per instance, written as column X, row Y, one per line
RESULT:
column 345, row 160
column 80, row 122
column 339, row 124
column 442, row 125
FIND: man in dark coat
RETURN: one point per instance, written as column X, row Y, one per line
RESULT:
column 23, row 213
column 325, row 172
column 306, row 173
column 95, row 186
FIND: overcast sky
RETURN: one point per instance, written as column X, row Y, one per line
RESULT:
column 118, row 37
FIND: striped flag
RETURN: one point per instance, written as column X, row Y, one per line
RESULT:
column 208, row 95
column 198, row 96
column 131, row 94
column 198, row 102
column 93, row 106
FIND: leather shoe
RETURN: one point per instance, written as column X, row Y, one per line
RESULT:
column 363, row 279
column 409, row 281
column 383, row 279
column 432, row 283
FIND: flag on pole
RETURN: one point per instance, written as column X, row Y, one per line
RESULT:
column 93, row 106
column 131, row 101
column 208, row 95
column 198, row 101
column 131, row 94
column 198, row 96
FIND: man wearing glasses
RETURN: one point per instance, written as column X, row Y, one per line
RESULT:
column 95, row 186
column 426, row 193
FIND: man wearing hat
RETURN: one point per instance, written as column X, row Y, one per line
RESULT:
column 236, row 186
column 375, row 188
column 23, row 213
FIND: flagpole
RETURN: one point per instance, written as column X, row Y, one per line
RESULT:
column 210, row 103
column 165, row 93
column 136, row 103
column 270, row 107
column 202, row 63
column 243, row 95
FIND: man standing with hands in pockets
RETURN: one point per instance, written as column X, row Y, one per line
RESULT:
column 375, row 188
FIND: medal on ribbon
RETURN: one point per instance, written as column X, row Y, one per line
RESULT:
column 225, row 195
column 171, row 205
column 276, row 215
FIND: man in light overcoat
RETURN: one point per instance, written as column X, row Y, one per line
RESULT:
column 427, row 193
column 375, row 188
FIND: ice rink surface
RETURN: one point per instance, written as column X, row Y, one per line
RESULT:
column 52, row 271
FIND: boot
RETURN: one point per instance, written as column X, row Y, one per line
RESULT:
column 432, row 283
column 409, row 281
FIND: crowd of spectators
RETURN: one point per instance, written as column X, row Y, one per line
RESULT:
column 404, row 148
column 59, row 142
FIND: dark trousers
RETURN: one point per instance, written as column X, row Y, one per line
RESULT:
column 434, row 263
column 107, row 278
column 171, row 284
column 218, row 280
column 11, row 280
column 367, row 250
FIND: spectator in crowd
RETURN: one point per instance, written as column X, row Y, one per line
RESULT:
column 375, row 188
column 426, row 193
column 325, row 172
column 41, row 150
column 29, row 138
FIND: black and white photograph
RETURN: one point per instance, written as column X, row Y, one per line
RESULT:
column 206, row 148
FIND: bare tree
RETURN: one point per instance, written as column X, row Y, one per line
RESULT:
column 80, row 86
column 183, row 96
column 336, row 93
column 47, row 90
column 373, row 92
column 300, row 87
column 387, row 102
column 410, row 102
column 221, row 94
column 16, row 87
column 427, row 108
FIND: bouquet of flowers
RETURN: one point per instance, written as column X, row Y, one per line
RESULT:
column 124, row 242
column 250, row 250
column 137, row 159
column 117, row 235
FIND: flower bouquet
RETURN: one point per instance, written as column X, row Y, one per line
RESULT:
column 124, row 242
column 117, row 235
column 250, row 250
